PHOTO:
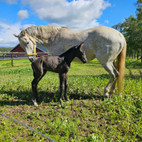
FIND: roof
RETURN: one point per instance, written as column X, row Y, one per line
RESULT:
column 18, row 48
column 42, row 48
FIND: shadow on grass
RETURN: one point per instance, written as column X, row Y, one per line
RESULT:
column 106, row 76
column 83, row 96
column 25, row 97
column 15, row 98
column 102, row 76
column 13, row 103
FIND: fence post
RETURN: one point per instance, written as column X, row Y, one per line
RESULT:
column 12, row 60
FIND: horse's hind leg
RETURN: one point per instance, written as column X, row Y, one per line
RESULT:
column 113, row 76
column 112, row 91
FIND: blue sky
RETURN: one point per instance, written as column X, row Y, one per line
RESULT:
column 75, row 14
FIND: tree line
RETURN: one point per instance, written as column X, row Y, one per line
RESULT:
column 131, row 28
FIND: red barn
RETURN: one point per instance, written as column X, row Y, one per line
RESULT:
column 39, row 48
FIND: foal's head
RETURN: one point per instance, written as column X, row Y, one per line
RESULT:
column 80, row 53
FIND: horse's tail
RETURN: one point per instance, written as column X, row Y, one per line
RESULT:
column 121, row 66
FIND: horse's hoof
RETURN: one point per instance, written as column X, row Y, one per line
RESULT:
column 112, row 92
column 106, row 95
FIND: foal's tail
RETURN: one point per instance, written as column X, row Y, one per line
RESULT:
column 121, row 66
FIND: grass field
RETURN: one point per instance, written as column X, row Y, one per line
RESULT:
column 85, row 118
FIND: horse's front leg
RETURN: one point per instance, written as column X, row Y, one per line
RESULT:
column 66, row 87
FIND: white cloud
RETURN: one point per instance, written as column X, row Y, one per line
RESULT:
column 6, row 34
column 22, row 14
column 77, row 14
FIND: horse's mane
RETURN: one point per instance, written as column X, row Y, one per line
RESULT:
column 42, row 32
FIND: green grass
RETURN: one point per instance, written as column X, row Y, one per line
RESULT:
column 86, row 117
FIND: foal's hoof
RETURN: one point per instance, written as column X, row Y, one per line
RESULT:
column 66, row 99
column 35, row 102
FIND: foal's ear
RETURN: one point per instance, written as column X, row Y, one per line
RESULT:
column 80, row 45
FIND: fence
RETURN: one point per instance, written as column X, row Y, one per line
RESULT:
column 16, row 56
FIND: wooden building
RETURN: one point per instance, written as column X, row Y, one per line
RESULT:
column 39, row 49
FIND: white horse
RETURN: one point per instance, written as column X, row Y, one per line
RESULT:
column 103, row 43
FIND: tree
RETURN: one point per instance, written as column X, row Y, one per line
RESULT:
column 139, row 20
column 132, row 30
column 139, row 9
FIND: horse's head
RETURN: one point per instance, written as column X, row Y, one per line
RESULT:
column 80, row 53
column 28, row 44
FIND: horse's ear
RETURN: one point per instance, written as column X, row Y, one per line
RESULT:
column 16, row 35
column 23, row 32
column 80, row 45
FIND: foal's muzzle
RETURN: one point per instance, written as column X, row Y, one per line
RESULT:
column 84, row 60
column 31, row 59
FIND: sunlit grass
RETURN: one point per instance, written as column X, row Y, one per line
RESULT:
column 86, row 117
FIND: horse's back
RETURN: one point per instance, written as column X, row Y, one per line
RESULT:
column 98, row 41
column 101, row 42
column 108, row 43
column 108, row 34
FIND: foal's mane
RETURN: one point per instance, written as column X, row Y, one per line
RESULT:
column 67, row 52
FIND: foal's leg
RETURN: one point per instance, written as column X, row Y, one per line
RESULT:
column 34, row 88
column 35, row 82
column 113, row 76
column 38, row 74
column 62, row 82
column 66, row 87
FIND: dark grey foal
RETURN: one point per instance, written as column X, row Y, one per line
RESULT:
column 59, row 64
